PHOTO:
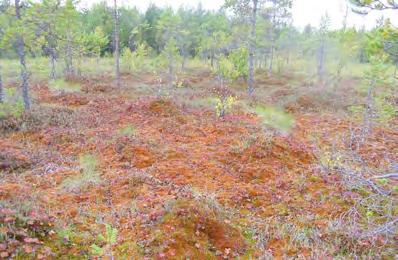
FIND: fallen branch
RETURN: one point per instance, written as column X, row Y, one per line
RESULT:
column 389, row 175
column 385, row 228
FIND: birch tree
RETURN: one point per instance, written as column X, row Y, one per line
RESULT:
column 116, row 42
column 169, row 30
column 70, row 32
column 2, row 31
column 2, row 95
column 45, row 16
column 20, row 47
column 252, row 47
column 321, row 55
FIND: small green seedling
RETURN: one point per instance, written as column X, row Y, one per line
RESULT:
column 108, row 240
column 129, row 131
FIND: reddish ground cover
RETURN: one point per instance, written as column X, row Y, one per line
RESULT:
column 184, row 184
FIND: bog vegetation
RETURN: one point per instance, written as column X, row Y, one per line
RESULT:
column 197, row 134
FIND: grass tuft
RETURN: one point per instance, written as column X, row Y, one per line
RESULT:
column 13, row 105
column 128, row 130
column 88, row 176
column 62, row 85
column 275, row 118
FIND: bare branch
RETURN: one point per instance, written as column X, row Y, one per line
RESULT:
column 385, row 176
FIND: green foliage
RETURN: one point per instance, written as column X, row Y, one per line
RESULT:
column 99, row 16
column 108, row 239
column 169, row 57
column 12, row 105
column 275, row 118
column 170, row 50
column 168, row 27
column 95, row 42
column 386, row 109
column 135, row 61
column 377, row 73
column 7, row 109
column 347, row 45
column 382, row 181
column 71, row 236
column 374, row 43
column 223, row 105
column 216, row 35
column 364, row 6
column 331, row 160
column 356, row 109
column 63, row 85
column 239, row 57
column 233, row 66
column 129, row 131
column 139, row 57
column 96, row 250
column 127, row 59
column 226, row 69
column 88, row 163
column 11, row 27
column 379, row 88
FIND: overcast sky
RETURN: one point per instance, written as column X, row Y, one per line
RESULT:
column 304, row 11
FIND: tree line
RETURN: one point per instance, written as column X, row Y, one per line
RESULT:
column 242, row 36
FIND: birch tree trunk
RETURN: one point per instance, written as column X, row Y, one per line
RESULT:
column 321, row 60
column 368, row 113
column 272, row 37
column 117, row 51
column 252, row 49
column 20, row 46
column 171, row 70
column 184, row 59
column 271, row 58
column 53, row 56
column 70, row 71
column 265, row 61
column 52, row 65
column 2, row 94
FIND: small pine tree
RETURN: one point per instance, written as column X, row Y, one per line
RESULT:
column 239, row 58
column 172, row 56
column 109, row 239
column 127, row 59
column 323, row 34
column 139, row 56
column 134, row 61
column 374, row 78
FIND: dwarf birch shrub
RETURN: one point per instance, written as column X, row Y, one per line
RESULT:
column 226, row 72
